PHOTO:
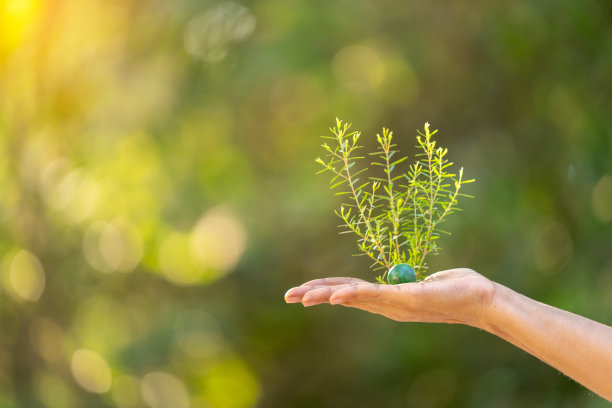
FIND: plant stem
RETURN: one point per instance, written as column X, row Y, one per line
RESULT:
column 349, row 179
column 394, row 216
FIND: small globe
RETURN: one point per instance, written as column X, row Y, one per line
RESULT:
column 401, row 273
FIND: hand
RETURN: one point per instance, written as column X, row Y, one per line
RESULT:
column 452, row 296
column 464, row 296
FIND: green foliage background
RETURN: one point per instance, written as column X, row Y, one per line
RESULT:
column 158, row 196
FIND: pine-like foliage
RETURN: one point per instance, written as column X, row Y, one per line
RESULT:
column 396, row 217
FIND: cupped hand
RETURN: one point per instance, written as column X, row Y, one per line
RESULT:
column 451, row 296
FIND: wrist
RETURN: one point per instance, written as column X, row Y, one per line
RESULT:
column 486, row 297
column 497, row 308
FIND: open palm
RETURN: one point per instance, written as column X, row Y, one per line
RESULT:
column 451, row 296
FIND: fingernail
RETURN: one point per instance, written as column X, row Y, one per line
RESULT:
column 292, row 299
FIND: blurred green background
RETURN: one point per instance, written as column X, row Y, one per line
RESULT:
column 158, row 195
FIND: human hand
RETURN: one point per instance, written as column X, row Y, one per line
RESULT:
column 452, row 296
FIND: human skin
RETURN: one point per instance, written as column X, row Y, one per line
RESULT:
column 578, row 347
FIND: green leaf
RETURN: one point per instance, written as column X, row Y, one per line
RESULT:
column 337, row 184
column 400, row 160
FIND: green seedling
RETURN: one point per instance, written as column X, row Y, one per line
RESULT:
column 396, row 217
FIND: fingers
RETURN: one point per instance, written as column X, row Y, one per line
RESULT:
column 333, row 281
column 375, row 298
column 371, row 293
column 295, row 295
column 317, row 295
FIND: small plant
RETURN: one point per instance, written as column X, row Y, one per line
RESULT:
column 396, row 217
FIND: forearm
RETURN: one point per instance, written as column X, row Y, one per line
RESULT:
column 578, row 347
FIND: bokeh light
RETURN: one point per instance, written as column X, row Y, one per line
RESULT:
column 211, row 250
column 91, row 371
column 114, row 246
column 23, row 275
column 359, row 67
column 218, row 240
column 209, row 35
column 177, row 263
column 17, row 18
column 231, row 384
column 164, row 390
